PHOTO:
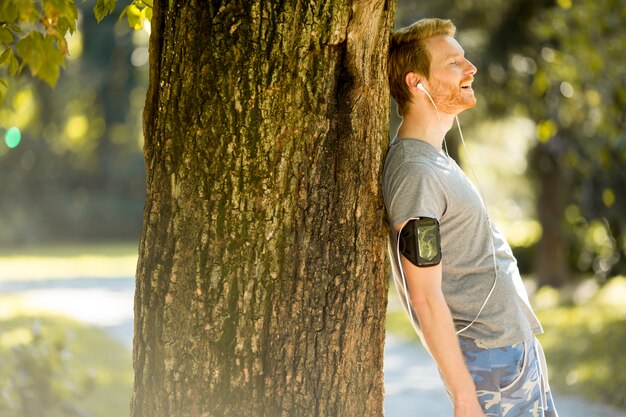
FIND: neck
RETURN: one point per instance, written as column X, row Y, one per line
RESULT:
column 425, row 124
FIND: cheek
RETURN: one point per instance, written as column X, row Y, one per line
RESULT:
column 442, row 89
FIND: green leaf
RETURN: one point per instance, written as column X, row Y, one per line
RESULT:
column 42, row 56
column 6, row 56
column 103, row 8
column 146, row 13
column 133, row 14
column 4, row 85
column 61, row 16
column 26, row 10
column 8, row 12
column 64, row 24
column 15, row 28
column 5, row 35
column 14, row 65
column 60, row 8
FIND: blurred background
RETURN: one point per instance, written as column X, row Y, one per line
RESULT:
column 71, row 196
column 547, row 141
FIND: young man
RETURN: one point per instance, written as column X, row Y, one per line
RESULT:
column 454, row 271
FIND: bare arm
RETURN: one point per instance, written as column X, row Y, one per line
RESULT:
column 438, row 330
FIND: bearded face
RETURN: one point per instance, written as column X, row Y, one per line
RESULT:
column 451, row 76
column 452, row 97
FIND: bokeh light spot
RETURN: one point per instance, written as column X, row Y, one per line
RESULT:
column 12, row 137
column 546, row 130
column 139, row 57
column 77, row 126
column 567, row 89
column 564, row 4
column 608, row 197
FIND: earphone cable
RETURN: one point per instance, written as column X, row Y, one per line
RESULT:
column 493, row 248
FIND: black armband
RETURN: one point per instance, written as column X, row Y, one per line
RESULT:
column 420, row 242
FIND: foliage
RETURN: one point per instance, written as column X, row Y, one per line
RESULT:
column 578, row 96
column 584, row 344
column 138, row 12
column 34, row 34
column 53, row 367
column 39, row 384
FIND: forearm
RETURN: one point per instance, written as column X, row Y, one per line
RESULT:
column 438, row 330
column 424, row 284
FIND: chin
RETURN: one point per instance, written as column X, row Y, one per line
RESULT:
column 470, row 103
column 466, row 106
column 458, row 104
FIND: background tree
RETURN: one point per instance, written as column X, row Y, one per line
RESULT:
column 581, row 123
column 261, row 284
column 76, row 170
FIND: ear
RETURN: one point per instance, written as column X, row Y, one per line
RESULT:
column 411, row 79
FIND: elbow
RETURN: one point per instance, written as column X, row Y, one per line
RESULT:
column 419, row 302
column 428, row 304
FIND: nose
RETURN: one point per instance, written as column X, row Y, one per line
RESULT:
column 470, row 68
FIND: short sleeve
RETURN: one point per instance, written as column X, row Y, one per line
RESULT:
column 414, row 190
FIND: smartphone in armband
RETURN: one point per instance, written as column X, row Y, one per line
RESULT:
column 420, row 242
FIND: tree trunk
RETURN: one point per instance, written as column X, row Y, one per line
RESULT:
column 551, row 256
column 262, row 279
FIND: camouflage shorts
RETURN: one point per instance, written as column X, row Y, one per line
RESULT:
column 509, row 380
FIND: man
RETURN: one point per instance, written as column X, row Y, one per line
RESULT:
column 454, row 271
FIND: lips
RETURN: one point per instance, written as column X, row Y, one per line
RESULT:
column 467, row 85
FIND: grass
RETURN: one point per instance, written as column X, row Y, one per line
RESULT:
column 68, row 261
column 72, row 250
column 55, row 364
column 398, row 323
column 584, row 343
column 52, row 365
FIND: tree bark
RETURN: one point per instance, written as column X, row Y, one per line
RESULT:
column 262, row 279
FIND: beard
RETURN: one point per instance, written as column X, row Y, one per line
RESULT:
column 451, row 98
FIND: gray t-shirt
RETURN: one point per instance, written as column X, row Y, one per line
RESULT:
column 421, row 181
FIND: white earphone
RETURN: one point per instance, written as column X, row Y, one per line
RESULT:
column 420, row 86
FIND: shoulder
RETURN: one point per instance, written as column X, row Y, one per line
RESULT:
column 412, row 180
column 411, row 156
column 415, row 170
